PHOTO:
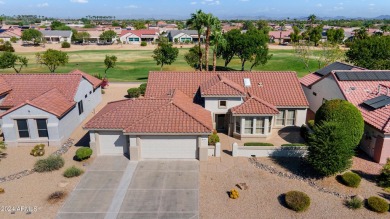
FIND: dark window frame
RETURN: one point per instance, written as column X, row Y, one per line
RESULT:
column 80, row 106
column 42, row 130
column 21, row 130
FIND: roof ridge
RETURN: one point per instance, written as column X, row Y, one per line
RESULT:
column 269, row 105
column 200, row 122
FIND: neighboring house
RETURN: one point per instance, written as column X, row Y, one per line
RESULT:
column 180, row 110
column 7, row 34
column 57, row 36
column 137, row 36
column 45, row 108
column 275, row 37
column 182, row 36
column 368, row 90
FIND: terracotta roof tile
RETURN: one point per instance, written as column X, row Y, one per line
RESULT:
column 54, row 102
column 96, row 82
column 255, row 106
column 221, row 86
column 309, row 79
column 4, row 87
column 277, row 88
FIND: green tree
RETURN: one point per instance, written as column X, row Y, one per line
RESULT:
column 335, row 36
column 139, row 25
column 210, row 22
column 217, row 41
column 7, row 47
column 196, row 22
column 385, row 28
column 281, row 28
column 192, row 57
column 262, row 25
column 116, row 24
column 360, row 34
column 165, row 53
column 328, row 152
column 32, row 35
column 232, row 43
column 180, row 25
column 10, row 60
column 295, row 35
column 371, row 53
column 55, row 24
column 312, row 19
column 248, row 25
column 108, row 35
column 315, row 34
column 109, row 62
column 348, row 118
column 52, row 59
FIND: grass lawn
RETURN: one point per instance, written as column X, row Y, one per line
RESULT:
column 134, row 65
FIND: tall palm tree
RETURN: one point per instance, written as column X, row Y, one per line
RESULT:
column 196, row 22
column 312, row 19
column 217, row 40
column 281, row 25
column 210, row 23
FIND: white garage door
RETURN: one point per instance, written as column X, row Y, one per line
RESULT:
column 173, row 147
column 112, row 143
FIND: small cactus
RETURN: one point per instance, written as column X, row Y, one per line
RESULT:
column 234, row 194
column 38, row 150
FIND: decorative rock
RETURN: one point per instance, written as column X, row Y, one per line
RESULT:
column 243, row 186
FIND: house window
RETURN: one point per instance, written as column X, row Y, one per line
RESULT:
column 23, row 128
column 280, row 118
column 81, row 107
column 260, row 125
column 222, row 104
column 248, row 126
column 238, row 125
column 290, row 117
column 42, row 128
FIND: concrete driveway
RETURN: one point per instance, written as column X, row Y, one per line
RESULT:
column 114, row 187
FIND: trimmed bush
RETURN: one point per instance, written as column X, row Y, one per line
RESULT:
column 213, row 139
column 351, row 179
column 142, row 88
column 384, row 178
column 133, row 92
column 348, row 118
column 234, row 194
column 294, row 145
column 257, row 144
column 143, row 43
column 304, row 132
column 310, row 123
column 378, row 204
column 49, row 164
column 38, row 150
column 354, row 203
column 297, row 201
column 72, row 172
column 103, row 92
column 65, row 45
column 83, row 153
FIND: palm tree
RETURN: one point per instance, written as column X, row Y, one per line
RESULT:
column 217, row 40
column 312, row 19
column 210, row 23
column 196, row 22
column 281, row 25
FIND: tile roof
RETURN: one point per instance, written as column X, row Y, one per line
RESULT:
column 53, row 93
column 221, row 86
column 139, row 33
column 277, row 88
column 254, row 105
column 358, row 92
column 309, row 79
column 4, row 87
column 176, row 114
column 96, row 82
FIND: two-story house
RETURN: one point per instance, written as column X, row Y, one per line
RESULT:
column 181, row 109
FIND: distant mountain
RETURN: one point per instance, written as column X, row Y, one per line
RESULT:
column 383, row 17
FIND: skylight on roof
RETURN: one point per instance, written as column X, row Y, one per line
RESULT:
column 247, row 82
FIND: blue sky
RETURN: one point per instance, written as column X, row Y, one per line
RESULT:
column 183, row 8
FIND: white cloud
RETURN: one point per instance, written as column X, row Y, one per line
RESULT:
column 319, row 5
column 79, row 1
column 337, row 8
column 193, row 3
column 131, row 6
column 43, row 5
column 371, row 4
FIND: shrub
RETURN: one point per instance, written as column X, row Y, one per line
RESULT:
column 257, row 144
column 354, row 203
column 13, row 39
column 49, row 164
column 378, row 204
column 56, row 196
column 103, row 92
column 348, row 118
column 310, row 123
column 2, row 190
column 143, row 43
column 384, row 178
column 304, row 132
column 328, row 152
column 7, row 47
column 294, row 145
column 142, row 88
column 38, row 150
column 65, row 45
column 234, row 194
column 133, row 92
column 213, row 139
column 83, row 153
column 72, row 172
column 351, row 179
column 297, row 201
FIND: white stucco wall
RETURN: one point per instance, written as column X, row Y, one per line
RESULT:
column 327, row 89
column 300, row 117
column 211, row 104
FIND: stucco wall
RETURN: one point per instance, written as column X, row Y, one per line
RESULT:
column 327, row 89
column 211, row 104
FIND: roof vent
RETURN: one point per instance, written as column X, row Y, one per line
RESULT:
column 260, row 84
column 247, row 82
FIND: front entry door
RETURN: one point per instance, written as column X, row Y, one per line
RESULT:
column 220, row 120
